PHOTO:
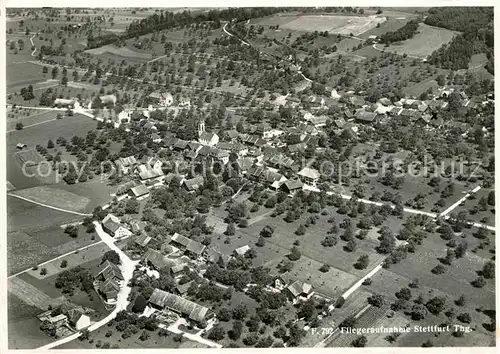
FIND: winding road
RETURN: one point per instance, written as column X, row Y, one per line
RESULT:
column 127, row 267
column 33, row 45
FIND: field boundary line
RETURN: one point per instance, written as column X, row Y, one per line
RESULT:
column 48, row 206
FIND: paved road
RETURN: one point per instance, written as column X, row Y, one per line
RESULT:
column 127, row 267
column 447, row 211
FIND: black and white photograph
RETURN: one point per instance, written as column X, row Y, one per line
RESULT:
column 249, row 177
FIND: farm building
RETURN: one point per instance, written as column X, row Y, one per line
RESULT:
column 156, row 260
column 193, row 184
column 143, row 239
column 309, row 176
column 139, row 191
column 108, row 99
column 241, row 251
column 292, row 186
column 21, row 146
column 62, row 102
column 111, row 224
column 163, row 99
column 78, row 318
column 107, row 281
column 147, row 172
column 299, row 291
column 214, row 256
column 190, row 310
column 124, row 164
column 192, row 248
column 365, row 117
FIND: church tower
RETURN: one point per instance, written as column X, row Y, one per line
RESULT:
column 201, row 127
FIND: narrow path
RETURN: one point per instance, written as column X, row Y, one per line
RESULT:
column 127, row 267
column 48, row 206
column 31, row 125
column 55, row 259
column 33, row 45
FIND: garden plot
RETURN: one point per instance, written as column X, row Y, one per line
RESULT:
column 122, row 52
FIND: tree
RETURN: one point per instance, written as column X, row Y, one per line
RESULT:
column 139, row 304
column 461, row 300
column 64, row 263
column 464, row 317
column 267, row 231
column 404, row 294
column 71, row 230
column 235, row 332
column 376, row 300
column 491, row 198
column 50, row 144
column 217, row 333
column 362, row 262
column 132, row 206
column 427, row 344
column 230, row 230
column 301, row 230
column 294, row 254
column 436, row 305
column 84, row 334
column 359, row 342
column 111, row 256
column 240, row 312
column 418, row 312
column 43, row 271
column 19, row 126
column 260, row 242
column 488, row 270
column 324, row 268
column 479, row 282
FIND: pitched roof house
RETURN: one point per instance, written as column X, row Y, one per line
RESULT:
column 188, row 309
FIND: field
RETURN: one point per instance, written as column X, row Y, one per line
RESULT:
column 344, row 25
column 56, row 197
column 133, row 342
column 427, row 40
column 342, row 274
column 39, row 135
column 121, row 52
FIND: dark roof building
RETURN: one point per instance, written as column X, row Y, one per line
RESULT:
column 191, row 310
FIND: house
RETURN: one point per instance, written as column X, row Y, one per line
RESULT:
column 209, row 139
column 180, row 145
column 58, row 321
column 178, row 269
column 220, row 156
column 319, row 122
column 366, row 117
column 137, row 226
column 191, row 248
column 124, row 117
column 156, row 260
column 190, row 310
column 147, row 172
column 61, row 102
column 156, row 138
column 309, row 176
column 182, row 289
column 154, row 163
column 108, row 99
column 78, row 319
column 193, row 184
column 125, row 164
column 108, row 280
column 214, row 256
column 241, row 251
column 339, row 123
column 163, row 99
column 385, row 101
column 21, row 146
column 291, row 186
column 143, row 239
column 112, row 225
column 299, row 291
column 140, row 191
column 243, row 164
column 231, row 134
